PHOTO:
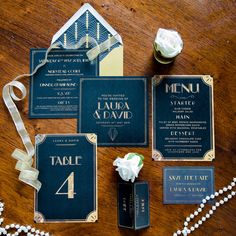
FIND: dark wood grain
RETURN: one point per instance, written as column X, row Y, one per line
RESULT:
column 208, row 29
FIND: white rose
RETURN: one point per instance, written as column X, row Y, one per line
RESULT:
column 129, row 166
column 168, row 42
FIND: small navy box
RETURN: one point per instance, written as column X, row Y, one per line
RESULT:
column 133, row 205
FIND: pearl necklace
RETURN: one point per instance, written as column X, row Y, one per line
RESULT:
column 18, row 229
column 187, row 230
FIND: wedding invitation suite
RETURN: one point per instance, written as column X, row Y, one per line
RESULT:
column 187, row 184
column 67, row 167
column 183, row 125
column 54, row 88
column 82, row 78
column 116, row 109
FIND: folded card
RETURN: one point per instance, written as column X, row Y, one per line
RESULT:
column 183, row 124
column 67, row 165
column 54, row 88
column 187, row 184
column 133, row 205
column 88, row 26
column 116, row 109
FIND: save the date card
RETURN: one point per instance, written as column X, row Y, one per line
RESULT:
column 54, row 88
column 116, row 109
column 183, row 119
column 67, row 165
column 187, row 184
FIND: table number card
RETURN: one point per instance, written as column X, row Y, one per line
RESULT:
column 67, row 167
column 54, row 88
column 183, row 125
column 187, row 184
column 116, row 109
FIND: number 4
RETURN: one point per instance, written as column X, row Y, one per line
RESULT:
column 70, row 194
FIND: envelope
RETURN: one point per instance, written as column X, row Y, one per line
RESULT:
column 89, row 28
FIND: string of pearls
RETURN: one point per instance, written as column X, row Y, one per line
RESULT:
column 18, row 229
column 189, row 230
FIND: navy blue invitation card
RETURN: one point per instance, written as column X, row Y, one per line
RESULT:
column 116, row 109
column 54, row 88
column 183, row 124
column 133, row 205
column 67, row 167
column 187, row 184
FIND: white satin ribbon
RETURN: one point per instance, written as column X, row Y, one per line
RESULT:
column 80, row 43
column 28, row 174
column 106, row 45
column 97, row 48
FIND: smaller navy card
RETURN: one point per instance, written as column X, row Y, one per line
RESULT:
column 133, row 205
column 116, row 109
column 67, row 165
column 54, row 88
column 187, row 184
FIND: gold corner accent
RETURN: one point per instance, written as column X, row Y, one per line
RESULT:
column 209, row 155
column 92, row 138
column 38, row 217
column 92, row 216
column 207, row 79
column 40, row 138
column 156, row 79
column 157, row 156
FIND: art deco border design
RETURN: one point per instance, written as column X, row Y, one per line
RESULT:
column 156, row 155
column 92, row 216
column 38, row 217
column 40, row 138
column 92, row 138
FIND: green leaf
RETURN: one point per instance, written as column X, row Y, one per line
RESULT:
column 141, row 156
column 131, row 155
column 140, row 162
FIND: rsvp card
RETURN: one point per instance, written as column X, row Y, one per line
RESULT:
column 187, row 184
column 183, row 125
column 67, row 165
column 54, row 88
column 116, row 109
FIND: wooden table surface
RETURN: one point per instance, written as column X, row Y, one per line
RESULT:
column 208, row 31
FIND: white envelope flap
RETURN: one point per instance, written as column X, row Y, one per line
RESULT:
column 87, row 23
